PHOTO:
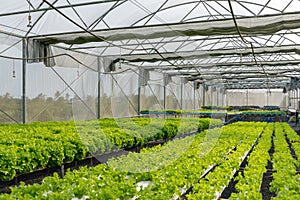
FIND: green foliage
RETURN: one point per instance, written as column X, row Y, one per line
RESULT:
column 8, row 163
column 263, row 112
column 25, row 148
column 286, row 183
column 182, row 112
column 249, row 183
column 168, row 169
column 213, row 184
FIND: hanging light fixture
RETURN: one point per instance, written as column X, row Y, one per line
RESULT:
column 284, row 90
column 120, row 67
column 29, row 15
column 14, row 70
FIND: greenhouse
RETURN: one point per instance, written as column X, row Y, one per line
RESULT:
column 161, row 99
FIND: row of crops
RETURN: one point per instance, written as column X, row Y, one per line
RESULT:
column 25, row 148
column 195, row 167
column 213, row 112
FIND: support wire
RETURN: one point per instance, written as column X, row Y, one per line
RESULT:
column 247, row 42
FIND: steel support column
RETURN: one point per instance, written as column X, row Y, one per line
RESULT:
column 99, row 89
column 194, row 97
column 181, row 94
column 24, row 53
column 203, row 94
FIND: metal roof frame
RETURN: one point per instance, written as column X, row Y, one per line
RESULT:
column 198, row 43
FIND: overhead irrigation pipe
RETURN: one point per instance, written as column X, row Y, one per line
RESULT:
column 245, row 41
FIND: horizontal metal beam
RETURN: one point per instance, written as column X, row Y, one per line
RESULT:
column 254, row 87
column 207, row 39
column 58, row 7
column 238, row 78
column 11, row 34
column 251, row 85
column 242, row 77
column 250, row 82
column 266, row 24
column 235, row 71
column 154, row 57
column 224, row 65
